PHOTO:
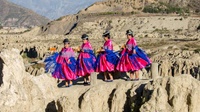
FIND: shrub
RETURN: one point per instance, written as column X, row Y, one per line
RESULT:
column 151, row 9
column 38, row 65
column 178, row 30
column 164, row 30
column 185, row 49
column 165, row 8
column 109, row 13
column 197, row 50
column 197, row 11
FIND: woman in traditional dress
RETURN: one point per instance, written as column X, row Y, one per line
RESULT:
column 107, row 59
column 63, row 65
column 86, row 60
column 133, row 58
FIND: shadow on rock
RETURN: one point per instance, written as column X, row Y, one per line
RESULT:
column 51, row 107
column 1, row 73
column 31, row 53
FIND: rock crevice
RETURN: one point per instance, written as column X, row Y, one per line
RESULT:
column 1, row 73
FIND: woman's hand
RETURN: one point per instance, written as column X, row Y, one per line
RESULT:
column 102, row 50
column 134, row 52
column 68, row 61
column 123, row 46
column 77, row 49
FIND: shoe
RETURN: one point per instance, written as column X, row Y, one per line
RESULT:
column 105, row 80
column 65, row 86
column 88, row 83
column 70, row 85
column 109, row 80
column 128, row 79
column 134, row 79
column 84, row 83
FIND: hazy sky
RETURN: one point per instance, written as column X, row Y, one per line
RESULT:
column 54, row 9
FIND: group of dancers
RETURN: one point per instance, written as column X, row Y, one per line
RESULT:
column 64, row 66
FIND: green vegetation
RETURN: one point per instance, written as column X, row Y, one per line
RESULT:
column 165, row 8
column 179, row 30
column 133, row 12
column 164, row 30
column 193, row 45
column 38, row 65
column 197, row 10
column 117, row 13
column 30, row 60
column 59, row 19
column 24, row 55
column 197, row 50
column 149, row 45
column 109, row 13
column 151, row 54
column 140, row 36
column 184, row 49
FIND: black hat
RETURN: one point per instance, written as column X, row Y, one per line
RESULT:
column 129, row 32
column 66, row 41
column 85, row 36
column 106, row 33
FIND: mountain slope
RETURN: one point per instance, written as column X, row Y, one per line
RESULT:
column 54, row 9
column 15, row 16
column 138, row 5
column 115, row 9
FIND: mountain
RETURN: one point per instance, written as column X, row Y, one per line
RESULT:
column 13, row 15
column 139, row 5
column 54, row 9
column 116, row 9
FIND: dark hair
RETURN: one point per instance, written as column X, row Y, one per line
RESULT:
column 66, row 41
column 106, row 34
column 131, row 35
column 129, row 32
column 85, row 36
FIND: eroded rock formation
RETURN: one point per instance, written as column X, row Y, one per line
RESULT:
column 21, row 92
column 174, row 63
column 169, row 94
column 172, row 94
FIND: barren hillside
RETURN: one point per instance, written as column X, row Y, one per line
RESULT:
column 102, row 14
column 15, row 16
column 138, row 5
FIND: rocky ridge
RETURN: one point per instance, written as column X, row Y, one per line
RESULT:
column 76, row 25
column 19, row 90
column 169, row 40
column 40, row 93
column 137, row 5
column 101, row 14
column 176, row 53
